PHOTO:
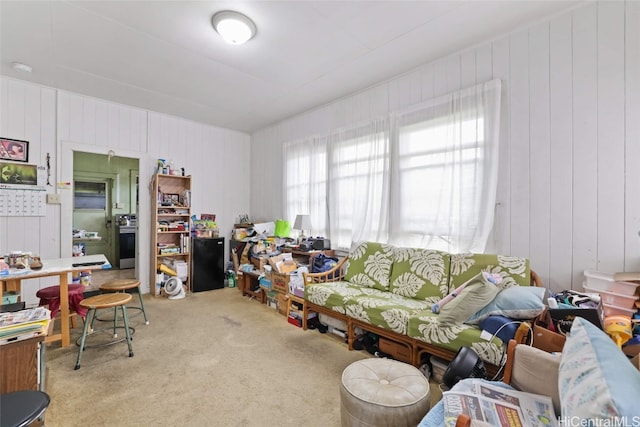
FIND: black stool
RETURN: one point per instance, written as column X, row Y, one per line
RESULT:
column 21, row 408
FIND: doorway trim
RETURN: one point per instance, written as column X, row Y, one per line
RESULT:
column 65, row 174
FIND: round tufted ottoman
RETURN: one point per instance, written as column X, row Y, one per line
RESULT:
column 383, row 392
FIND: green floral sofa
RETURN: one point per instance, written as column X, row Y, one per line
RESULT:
column 390, row 291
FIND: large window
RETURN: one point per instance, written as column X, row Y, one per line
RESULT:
column 424, row 177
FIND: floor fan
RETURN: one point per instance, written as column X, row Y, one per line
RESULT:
column 173, row 288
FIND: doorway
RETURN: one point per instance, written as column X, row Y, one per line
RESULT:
column 104, row 188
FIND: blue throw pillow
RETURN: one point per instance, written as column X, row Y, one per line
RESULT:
column 503, row 327
column 515, row 302
column 596, row 381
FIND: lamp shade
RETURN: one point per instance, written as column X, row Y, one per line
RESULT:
column 303, row 222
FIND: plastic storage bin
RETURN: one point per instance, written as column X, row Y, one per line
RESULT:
column 598, row 281
column 10, row 297
column 612, row 310
column 613, row 299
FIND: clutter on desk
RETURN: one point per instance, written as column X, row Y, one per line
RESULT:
column 24, row 324
column 17, row 261
column 205, row 226
column 610, row 301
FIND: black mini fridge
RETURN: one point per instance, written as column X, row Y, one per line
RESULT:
column 207, row 256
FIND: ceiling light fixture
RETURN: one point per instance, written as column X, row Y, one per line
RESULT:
column 234, row 27
column 21, row 67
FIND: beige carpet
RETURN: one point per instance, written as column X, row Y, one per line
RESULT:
column 212, row 359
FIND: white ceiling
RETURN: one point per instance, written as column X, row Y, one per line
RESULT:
column 165, row 56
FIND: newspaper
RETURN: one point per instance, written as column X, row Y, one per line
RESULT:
column 498, row 406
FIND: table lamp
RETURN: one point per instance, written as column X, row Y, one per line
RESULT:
column 302, row 223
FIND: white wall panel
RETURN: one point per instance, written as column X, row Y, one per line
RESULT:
column 585, row 144
column 568, row 190
column 519, row 154
column 561, row 153
column 610, row 73
column 484, row 63
column 467, row 69
column 540, row 185
column 27, row 113
column 632, row 138
column 502, row 219
column 58, row 122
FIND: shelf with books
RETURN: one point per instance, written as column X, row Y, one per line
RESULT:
column 171, row 212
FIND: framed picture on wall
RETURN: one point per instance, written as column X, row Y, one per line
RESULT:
column 14, row 150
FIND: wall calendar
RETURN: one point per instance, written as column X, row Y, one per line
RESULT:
column 23, row 201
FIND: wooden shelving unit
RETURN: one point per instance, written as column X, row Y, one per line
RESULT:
column 169, row 239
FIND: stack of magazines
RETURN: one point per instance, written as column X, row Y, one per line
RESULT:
column 499, row 407
column 24, row 324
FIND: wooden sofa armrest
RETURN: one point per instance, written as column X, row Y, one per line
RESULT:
column 535, row 279
column 508, row 367
column 334, row 275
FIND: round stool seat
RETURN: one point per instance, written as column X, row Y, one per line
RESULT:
column 119, row 285
column 51, row 296
column 105, row 301
column 21, row 408
column 383, row 392
column 122, row 285
column 51, row 292
column 101, row 301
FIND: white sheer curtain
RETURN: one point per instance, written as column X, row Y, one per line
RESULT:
column 305, row 182
column 445, row 171
column 358, row 184
column 423, row 177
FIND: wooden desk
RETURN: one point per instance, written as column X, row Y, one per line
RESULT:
column 60, row 267
column 20, row 366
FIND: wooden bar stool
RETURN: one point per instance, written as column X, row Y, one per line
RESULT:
column 123, row 285
column 110, row 300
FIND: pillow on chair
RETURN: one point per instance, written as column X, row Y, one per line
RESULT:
column 596, row 380
column 536, row 371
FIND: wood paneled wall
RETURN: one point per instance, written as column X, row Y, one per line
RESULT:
column 58, row 122
column 569, row 185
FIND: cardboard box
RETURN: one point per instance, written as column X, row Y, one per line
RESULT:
column 563, row 317
column 396, row 350
column 280, row 282
column 282, row 304
column 547, row 340
column 260, row 262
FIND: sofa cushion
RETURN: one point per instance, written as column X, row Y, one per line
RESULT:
column 515, row 302
column 384, row 309
column 332, row 295
column 514, row 270
column 369, row 265
column 421, row 274
column 475, row 296
column 596, row 381
column 424, row 326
